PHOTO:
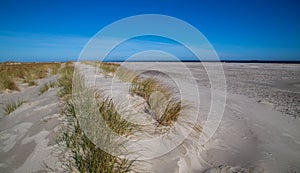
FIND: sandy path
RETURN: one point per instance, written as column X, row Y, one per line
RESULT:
column 27, row 135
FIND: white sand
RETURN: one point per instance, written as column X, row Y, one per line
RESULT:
column 28, row 134
column 252, row 135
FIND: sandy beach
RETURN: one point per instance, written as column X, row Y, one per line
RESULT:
column 258, row 132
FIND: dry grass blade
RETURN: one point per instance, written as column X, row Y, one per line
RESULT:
column 171, row 113
column 113, row 119
column 12, row 106
column 144, row 87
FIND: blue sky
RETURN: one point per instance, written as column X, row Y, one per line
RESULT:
column 52, row 30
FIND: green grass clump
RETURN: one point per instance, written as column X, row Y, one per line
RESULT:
column 170, row 114
column 113, row 119
column 88, row 105
column 85, row 155
column 47, row 86
column 12, row 105
column 144, row 87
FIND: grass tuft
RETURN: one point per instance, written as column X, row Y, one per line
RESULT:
column 47, row 86
column 115, row 121
column 170, row 114
column 7, row 83
column 144, row 87
column 85, row 156
column 172, row 107
column 65, row 81
column 11, row 106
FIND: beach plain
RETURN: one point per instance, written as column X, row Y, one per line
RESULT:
column 258, row 132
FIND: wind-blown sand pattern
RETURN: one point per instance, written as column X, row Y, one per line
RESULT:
column 28, row 135
column 259, row 131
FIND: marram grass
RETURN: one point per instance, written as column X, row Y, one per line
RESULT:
column 47, row 86
column 144, row 87
column 12, row 106
column 26, row 72
column 85, row 156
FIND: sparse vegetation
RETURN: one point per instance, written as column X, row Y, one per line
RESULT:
column 85, row 155
column 125, row 74
column 144, row 87
column 12, row 105
column 27, row 72
column 113, row 119
column 31, row 83
column 55, row 68
column 122, row 73
column 47, row 86
column 171, row 113
column 65, row 81
column 109, row 67
column 7, row 83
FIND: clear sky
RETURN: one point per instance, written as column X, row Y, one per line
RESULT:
column 53, row 30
